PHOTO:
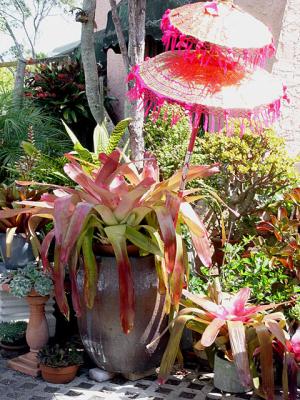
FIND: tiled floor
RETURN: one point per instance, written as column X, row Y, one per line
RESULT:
column 194, row 385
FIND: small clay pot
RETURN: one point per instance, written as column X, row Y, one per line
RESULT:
column 60, row 374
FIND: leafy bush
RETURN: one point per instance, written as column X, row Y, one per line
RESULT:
column 254, row 169
column 12, row 332
column 57, row 357
column 253, row 269
column 169, row 141
column 59, row 87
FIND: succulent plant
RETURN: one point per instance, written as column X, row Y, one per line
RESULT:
column 57, row 356
column 29, row 278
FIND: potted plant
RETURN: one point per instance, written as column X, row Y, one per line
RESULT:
column 115, row 206
column 36, row 286
column 15, row 240
column 12, row 335
column 235, row 329
column 59, row 364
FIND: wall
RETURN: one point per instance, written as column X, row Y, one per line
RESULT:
column 282, row 17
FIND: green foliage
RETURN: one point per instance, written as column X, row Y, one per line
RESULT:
column 30, row 278
column 103, row 142
column 169, row 141
column 57, row 356
column 294, row 312
column 12, row 332
column 254, row 169
column 6, row 81
column 28, row 123
column 253, row 269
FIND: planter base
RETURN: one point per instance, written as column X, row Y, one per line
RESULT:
column 27, row 364
column 226, row 377
column 135, row 376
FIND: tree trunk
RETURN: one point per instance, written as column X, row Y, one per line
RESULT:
column 89, row 62
column 136, row 20
column 18, row 91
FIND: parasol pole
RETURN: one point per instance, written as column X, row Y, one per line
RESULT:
column 186, row 166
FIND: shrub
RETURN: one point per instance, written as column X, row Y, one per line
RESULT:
column 253, row 269
column 255, row 168
column 59, row 87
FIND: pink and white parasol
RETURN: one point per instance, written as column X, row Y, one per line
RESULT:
column 217, row 29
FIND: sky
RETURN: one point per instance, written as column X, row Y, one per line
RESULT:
column 56, row 31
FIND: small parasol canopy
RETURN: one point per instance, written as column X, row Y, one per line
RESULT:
column 216, row 29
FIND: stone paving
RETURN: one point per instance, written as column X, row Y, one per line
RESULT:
column 194, row 385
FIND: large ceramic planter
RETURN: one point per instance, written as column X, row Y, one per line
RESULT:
column 21, row 252
column 226, row 377
column 100, row 327
column 59, row 375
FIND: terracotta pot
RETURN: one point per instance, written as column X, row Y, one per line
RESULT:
column 100, row 327
column 60, row 374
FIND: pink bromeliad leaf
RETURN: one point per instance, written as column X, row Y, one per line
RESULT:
column 177, row 277
column 131, row 199
column 295, row 342
column 168, row 235
column 116, row 235
column 150, row 169
column 45, row 249
column 212, row 331
column 63, row 211
column 75, row 227
column 110, row 164
column 103, row 196
column 198, row 233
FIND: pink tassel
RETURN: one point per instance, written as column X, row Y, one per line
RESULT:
column 206, row 123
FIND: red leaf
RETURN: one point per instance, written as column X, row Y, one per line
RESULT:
column 45, row 249
column 168, row 235
column 116, row 236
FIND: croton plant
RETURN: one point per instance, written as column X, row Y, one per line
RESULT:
column 118, row 205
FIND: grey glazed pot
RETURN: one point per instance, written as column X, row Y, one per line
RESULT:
column 21, row 252
column 100, row 327
column 226, row 377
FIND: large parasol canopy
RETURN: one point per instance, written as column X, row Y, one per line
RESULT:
column 218, row 28
column 208, row 90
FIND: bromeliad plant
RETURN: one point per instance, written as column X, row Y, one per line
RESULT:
column 117, row 205
column 16, row 222
column 233, row 326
